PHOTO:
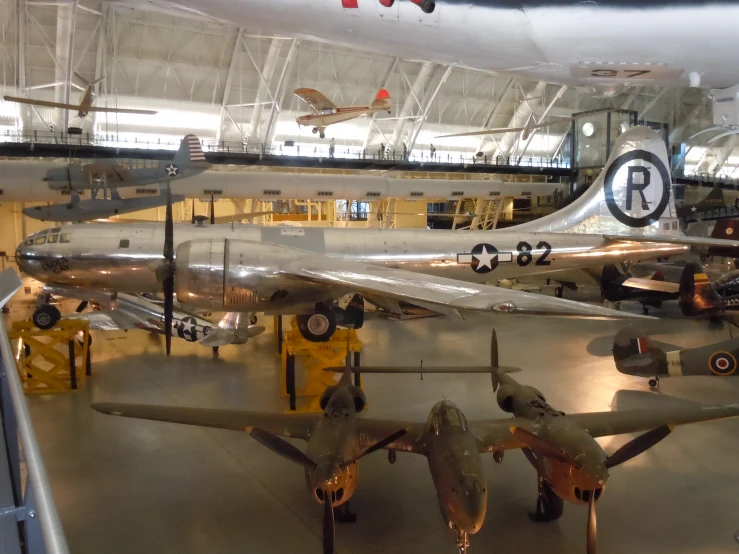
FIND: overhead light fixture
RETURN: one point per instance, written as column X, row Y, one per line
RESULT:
column 588, row 129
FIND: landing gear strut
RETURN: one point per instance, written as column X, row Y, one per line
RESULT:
column 549, row 506
column 460, row 538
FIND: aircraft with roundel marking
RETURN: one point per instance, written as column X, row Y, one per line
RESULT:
column 627, row 214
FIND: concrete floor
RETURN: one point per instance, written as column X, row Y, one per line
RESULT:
column 128, row 486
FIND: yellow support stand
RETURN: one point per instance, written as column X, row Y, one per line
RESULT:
column 314, row 357
column 53, row 360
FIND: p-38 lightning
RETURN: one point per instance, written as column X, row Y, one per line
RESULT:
column 570, row 463
column 627, row 214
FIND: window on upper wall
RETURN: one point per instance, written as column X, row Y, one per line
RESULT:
column 125, row 243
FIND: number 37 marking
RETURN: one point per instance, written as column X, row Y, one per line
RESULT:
column 525, row 255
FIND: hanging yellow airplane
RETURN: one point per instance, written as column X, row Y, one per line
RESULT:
column 83, row 108
column 326, row 113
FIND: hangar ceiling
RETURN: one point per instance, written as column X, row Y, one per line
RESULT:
column 225, row 84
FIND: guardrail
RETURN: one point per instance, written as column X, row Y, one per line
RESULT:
column 440, row 156
column 29, row 522
column 706, row 179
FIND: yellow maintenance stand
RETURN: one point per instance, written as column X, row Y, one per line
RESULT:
column 314, row 357
column 53, row 360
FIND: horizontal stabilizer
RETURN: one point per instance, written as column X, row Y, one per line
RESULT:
column 635, row 354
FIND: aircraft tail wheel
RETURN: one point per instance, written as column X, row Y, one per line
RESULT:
column 252, row 319
column 46, row 317
column 315, row 130
column 322, row 135
column 317, row 327
column 558, row 292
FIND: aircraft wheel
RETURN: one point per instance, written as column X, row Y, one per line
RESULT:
column 46, row 317
column 322, row 135
column 252, row 319
column 551, row 504
column 317, row 327
column 428, row 6
column 653, row 383
column 315, row 130
column 392, row 456
column 558, row 292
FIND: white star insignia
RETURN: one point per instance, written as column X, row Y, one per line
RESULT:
column 693, row 209
column 186, row 326
column 484, row 258
column 171, row 170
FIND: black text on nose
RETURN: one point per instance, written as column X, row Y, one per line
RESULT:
column 632, row 185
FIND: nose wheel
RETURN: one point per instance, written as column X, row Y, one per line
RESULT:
column 46, row 317
column 460, row 538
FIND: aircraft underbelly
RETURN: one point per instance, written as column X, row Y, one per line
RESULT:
column 536, row 41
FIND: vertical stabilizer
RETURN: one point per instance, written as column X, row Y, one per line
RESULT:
column 190, row 154
column 632, row 196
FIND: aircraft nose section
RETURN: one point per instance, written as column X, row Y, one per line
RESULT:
column 474, row 502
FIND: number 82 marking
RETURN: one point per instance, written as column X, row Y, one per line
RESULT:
column 525, row 256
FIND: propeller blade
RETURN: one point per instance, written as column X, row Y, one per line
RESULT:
column 637, row 446
column 536, row 443
column 212, row 211
column 377, row 446
column 82, row 306
column 592, row 535
column 192, row 220
column 281, row 447
column 494, row 350
column 328, row 523
column 168, row 277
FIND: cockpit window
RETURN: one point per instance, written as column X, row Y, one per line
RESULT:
column 55, row 230
column 453, row 418
column 65, row 237
column 53, row 238
column 41, row 240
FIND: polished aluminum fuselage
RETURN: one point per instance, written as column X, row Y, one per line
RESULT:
column 94, row 259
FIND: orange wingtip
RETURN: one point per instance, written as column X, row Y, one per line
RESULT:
column 382, row 94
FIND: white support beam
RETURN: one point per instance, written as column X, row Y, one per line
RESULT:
column 428, row 102
column 66, row 18
column 22, row 33
column 544, row 114
column 519, row 118
column 229, row 80
column 265, row 76
column 382, row 84
column 652, row 103
column 418, row 85
column 494, row 108
column 280, row 91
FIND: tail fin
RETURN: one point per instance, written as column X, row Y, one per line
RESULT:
column 190, row 153
column 635, row 354
column 87, row 83
column 697, row 295
column 725, row 229
column 382, row 100
column 631, row 196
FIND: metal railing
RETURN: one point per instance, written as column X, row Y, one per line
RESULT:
column 708, row 179
column 29, row 522
column 440, row 156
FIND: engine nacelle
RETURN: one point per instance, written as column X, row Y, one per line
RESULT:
column 238, row 275
column 509, row 395
column 360, row 401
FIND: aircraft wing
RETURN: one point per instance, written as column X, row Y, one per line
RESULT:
column 495, row 131
column 112, row 320
column 119, row 110
column 314, row 99
column 297, row 426
column 374, row 430
column 682, row 239
column 496, row 435
column 652, row 285
column 440, row 294
column 42, row 103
